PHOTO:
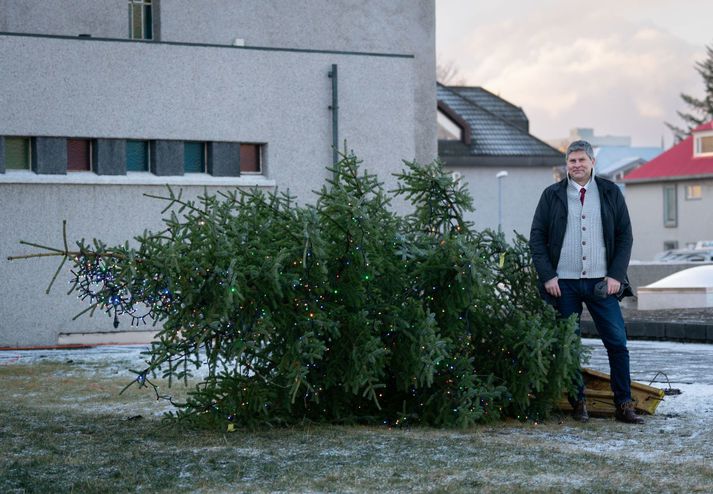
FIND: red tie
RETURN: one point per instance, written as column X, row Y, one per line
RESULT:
column 582, row 191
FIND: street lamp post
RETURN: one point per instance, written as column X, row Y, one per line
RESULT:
column 500, row 176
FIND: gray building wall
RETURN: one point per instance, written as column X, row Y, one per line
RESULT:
column 645, row 201
column 521, row 191
column 272, row 92
column 100, row 18
column 382, row 26
column 34, row 212
column 205, row 93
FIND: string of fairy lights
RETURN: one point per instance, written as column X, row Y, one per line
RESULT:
column 96, row 283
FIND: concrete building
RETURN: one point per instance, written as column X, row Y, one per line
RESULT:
column 670, row 198
column 103, row 101
column 485, row 140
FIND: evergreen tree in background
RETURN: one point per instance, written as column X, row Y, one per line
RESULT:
column 701, row 110
column 340, row 312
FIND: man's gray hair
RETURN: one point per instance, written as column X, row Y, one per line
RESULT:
column 580, row 145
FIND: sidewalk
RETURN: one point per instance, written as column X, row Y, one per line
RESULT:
column 687, row 325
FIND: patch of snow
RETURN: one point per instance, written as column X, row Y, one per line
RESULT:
column 108, row 360
column 685, row 366
column 336, row 452
column 695, row 399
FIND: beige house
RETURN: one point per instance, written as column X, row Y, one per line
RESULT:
column 670, row 198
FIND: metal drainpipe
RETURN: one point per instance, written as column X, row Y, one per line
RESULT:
column 333, row 74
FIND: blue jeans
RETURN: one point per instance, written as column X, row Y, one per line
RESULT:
column 609, row 322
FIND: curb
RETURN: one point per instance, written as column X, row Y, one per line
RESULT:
column 655, row 330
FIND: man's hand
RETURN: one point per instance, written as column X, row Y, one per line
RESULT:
column 612, row 286
column 553, row 287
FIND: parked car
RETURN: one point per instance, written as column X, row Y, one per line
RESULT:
column 686, row 255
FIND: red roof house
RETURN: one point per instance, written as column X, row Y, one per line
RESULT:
column 692, row 157
column 670, row 198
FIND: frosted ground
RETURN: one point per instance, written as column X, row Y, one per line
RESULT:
column 671, row 452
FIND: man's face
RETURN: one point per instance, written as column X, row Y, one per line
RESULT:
column 579, row 167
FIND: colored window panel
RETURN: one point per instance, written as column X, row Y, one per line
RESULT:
column 250, row 158
column 78, row 155
column 194, row 157
column 137, row 156
column 17, row 153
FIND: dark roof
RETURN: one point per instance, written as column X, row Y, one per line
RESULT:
column 497, row 129
column 677, row 162
column 494, row 104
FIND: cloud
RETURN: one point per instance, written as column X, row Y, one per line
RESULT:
column 569, row 68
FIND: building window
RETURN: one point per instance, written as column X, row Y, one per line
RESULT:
column 137, row 156
column 694, row 192
column 79, row 153
column 250, row 158
column 670, row 206
column 704, row 144
column 17, row 153
column 670, row 244
column 194, row 157
column 140, row 19
column 448, row 130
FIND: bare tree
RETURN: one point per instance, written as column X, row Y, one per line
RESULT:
column 447, row 74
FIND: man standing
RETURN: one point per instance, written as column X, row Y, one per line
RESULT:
column 581, row 244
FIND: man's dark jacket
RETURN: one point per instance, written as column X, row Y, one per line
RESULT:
column 550, row 222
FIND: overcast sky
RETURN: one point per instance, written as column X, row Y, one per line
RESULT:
column 617, row 66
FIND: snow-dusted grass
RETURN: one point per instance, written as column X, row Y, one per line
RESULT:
column 63, row 427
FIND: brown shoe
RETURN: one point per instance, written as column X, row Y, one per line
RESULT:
column 580, row 411
column 626, row 413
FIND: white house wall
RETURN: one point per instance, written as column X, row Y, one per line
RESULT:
column 645, row 201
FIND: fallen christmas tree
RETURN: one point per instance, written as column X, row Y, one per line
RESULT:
column 341, row 312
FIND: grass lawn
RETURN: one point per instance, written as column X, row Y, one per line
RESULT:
column 64, row 428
